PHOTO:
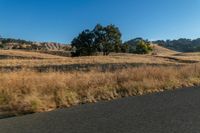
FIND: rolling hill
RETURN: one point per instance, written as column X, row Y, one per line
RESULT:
column 159, row 50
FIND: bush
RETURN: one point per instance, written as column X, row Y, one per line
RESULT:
column 143, row 47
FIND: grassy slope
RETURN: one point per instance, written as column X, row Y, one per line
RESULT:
column 32, row 59
column 176, row 56
column 29, row 91
column 16, row 54
column 159, row 50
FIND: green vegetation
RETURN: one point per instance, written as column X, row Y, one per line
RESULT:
column 100, row 40
column 143, row 47
column 106, row 40
column 138, row 46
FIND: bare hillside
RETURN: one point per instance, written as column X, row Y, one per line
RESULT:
column 159, row 50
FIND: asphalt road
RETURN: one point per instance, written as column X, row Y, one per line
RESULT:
column 168, row 112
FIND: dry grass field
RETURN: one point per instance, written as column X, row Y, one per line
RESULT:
column 42, row 82
column 34, row 59
column 18, row 54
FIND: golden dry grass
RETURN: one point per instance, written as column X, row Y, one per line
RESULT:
column 33, row 59
column 27, row 54
column 28, row 91
column 162, row 52
column 85, row 60
column 189, row 54
column 159, row 50
column 32, row 91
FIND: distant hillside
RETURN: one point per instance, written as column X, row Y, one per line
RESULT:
column 181, row 45
column 9, row 43
column 159, row 50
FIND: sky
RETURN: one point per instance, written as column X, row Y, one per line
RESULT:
column 62, row 20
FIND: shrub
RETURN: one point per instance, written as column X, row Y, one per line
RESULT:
column 143, row 47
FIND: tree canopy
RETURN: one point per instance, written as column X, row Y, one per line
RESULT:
column 101, row 39
column 84, row 44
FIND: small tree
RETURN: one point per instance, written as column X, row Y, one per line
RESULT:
column 143, row 47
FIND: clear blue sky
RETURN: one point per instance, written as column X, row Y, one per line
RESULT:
column 62, row 20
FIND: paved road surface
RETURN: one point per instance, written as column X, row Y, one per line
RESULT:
column 168, row 112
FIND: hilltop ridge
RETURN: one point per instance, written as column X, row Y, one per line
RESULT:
column 9, row 43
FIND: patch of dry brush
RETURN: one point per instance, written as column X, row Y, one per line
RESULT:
column 28, row 91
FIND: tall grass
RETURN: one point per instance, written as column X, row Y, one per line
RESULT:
column 28, row 91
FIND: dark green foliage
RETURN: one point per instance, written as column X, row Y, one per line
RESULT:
column 1, row 46
column 112, row 40
column 84, row 44
column 182, row 44
column 124, row 48
column 100, row 39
